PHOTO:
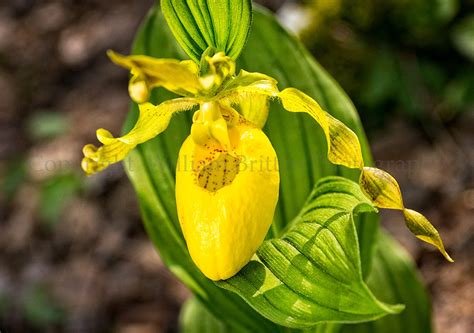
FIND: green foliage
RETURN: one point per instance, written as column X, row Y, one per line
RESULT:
column 393, row 279
column 312, row 274
column 301, row 150
column 197, row 25
column 195, row 318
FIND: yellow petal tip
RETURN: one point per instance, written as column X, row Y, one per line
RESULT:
column 424, row 230
column 89, row 150
column 104, row 136
column 448, row 257
column 114, row 56
column 89, row 166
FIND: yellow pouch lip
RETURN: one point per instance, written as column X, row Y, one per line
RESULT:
column 224, row 228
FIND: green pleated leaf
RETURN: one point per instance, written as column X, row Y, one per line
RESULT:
column 312, row 273
column 298, row 141
column 195, row 318
column 394, row 279
column 199, row 24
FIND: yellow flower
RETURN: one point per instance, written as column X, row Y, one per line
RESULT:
column 227, row 178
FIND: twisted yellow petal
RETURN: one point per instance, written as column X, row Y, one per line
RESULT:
column 344, row 149
column 152, row 121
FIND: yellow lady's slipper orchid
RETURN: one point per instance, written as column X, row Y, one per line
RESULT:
column 226, row 193
column 227, row 178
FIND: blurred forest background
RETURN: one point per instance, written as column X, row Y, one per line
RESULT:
column 73, row 254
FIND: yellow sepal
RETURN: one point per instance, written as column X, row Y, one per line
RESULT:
column 180, row 77
column 246, row 85
column 250, row 94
